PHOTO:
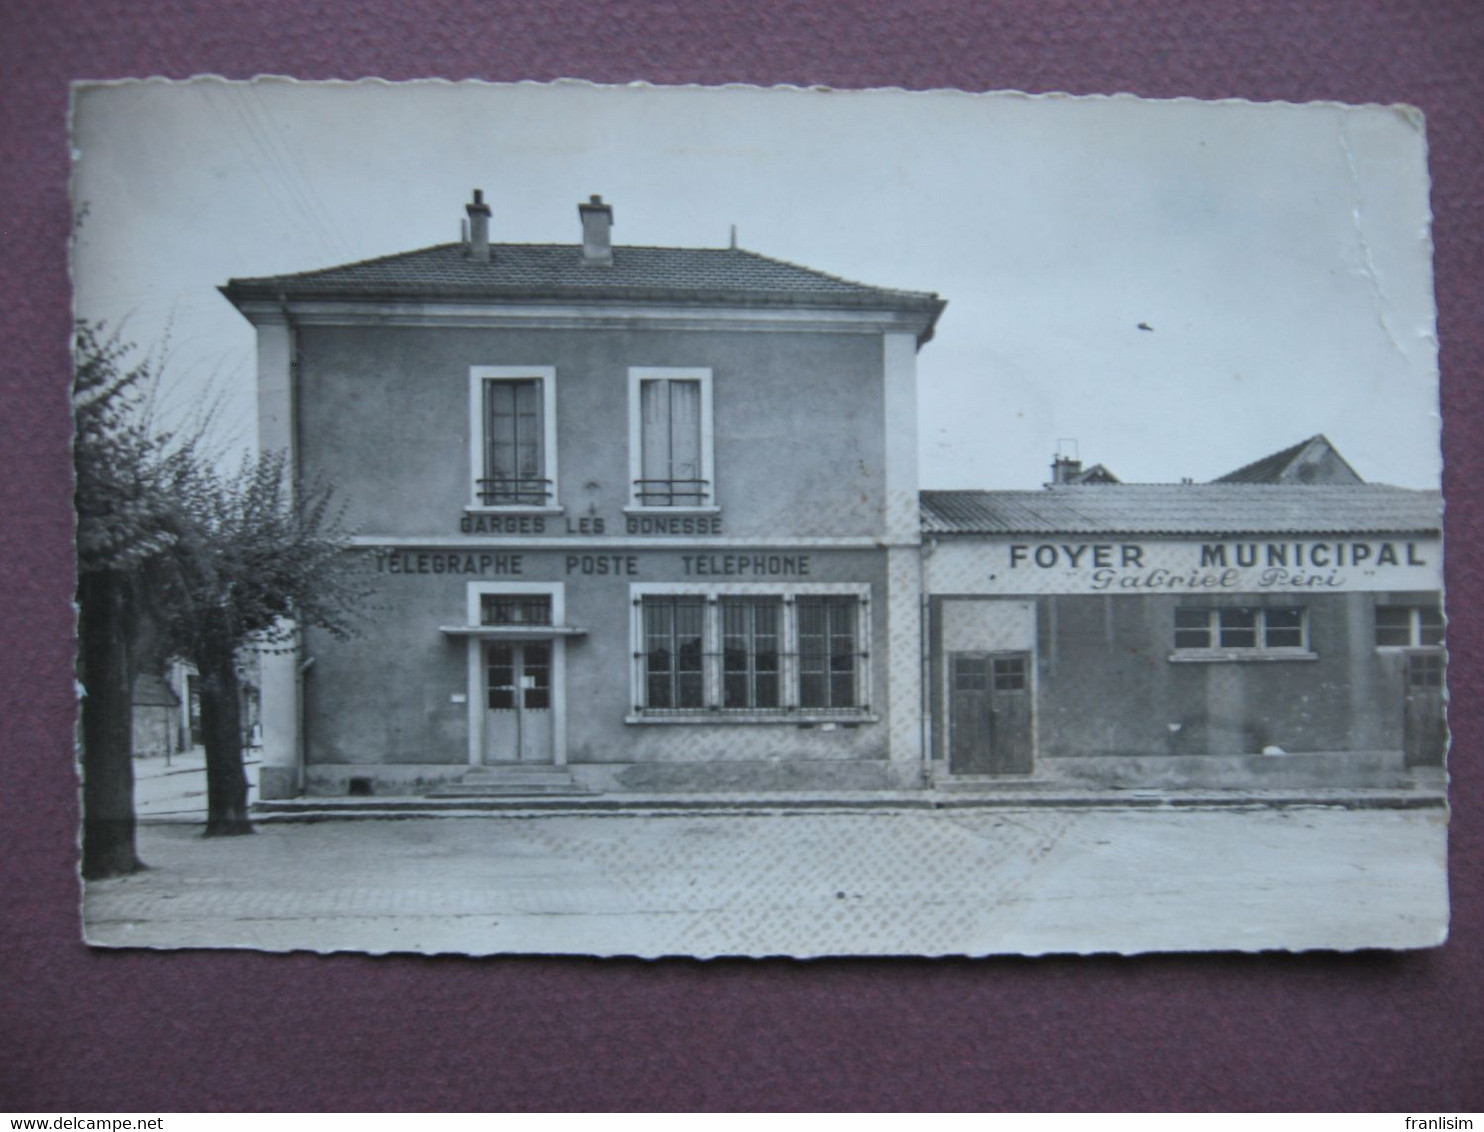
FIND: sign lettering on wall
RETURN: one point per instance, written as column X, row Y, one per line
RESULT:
column 685, row 526
column 588, row 565
column 1244, row 565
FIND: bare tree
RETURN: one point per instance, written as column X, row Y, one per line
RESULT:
column 178, row 559
column 250, row 561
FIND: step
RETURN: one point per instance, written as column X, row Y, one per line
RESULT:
column 507, row 790
column 509, row 781
column 502, row 778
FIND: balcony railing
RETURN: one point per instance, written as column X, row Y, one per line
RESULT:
column 513, row 491
column 672, row 493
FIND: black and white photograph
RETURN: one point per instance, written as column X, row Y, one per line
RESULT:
column 735, row 521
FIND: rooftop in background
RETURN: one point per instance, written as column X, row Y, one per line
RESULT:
column 1312, row 461
column 1186, row 509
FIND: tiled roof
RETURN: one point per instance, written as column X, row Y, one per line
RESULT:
column 151, row 690
column 1185, row 509
column 1265, row 470
column 519, row 271
column 1281, row 467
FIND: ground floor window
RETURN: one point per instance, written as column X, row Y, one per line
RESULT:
column 1241, row 628
column 744, row 651
column 1409, row 626
column 674, row 674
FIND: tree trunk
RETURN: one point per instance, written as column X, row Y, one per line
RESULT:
column 221, row 732
column 108, row 846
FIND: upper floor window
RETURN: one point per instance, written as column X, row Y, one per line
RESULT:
column 670, row 439
column 514, row 436
column 1408, row 626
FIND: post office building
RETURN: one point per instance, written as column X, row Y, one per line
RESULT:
column 639, row 518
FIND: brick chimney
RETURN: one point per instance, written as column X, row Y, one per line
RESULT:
column 479, row 228
column 597, row 225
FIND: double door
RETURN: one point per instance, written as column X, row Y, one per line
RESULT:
column 517, row 689
column 989, row 715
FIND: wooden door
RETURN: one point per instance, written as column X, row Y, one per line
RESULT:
column 989, row 715
column 968, row 714
column 1425, row 728
column 1010, row 713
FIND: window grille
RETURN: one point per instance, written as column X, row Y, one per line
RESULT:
column 515, row 609
column 827, row 652
column 750, row 652
column 674, row 653
column 754, row 654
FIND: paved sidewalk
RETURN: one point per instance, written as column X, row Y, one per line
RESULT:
column 174, row 789
column 970, row 881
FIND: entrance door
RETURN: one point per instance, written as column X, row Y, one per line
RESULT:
column 517, row 718
column 989, row 714
column 1425, row 728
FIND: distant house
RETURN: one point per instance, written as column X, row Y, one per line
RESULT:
column 156, row 716
column 1312, row 461
column 1069, row 470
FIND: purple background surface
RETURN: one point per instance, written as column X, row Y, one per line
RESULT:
column 120, row 1031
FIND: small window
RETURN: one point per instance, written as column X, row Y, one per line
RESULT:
column 1283, row 628
column 1192, row 628
column 501, row 676
column 1241, row 629
column 515, row 609
column 1425, row 670
column 1409, row 626
column 536, row 669
column 970, row 674
column 1009, row 674
column 1238, row 628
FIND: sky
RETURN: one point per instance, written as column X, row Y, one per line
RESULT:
column 1172, row 289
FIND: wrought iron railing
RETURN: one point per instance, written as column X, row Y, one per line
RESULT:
column 513, row 491
column 672, row 493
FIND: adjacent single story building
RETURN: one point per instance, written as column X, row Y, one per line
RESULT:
column 1222, row 634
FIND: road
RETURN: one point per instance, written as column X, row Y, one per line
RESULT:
column 870, row 882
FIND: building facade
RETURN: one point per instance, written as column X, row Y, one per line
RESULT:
column 647, row 520
column 640, row 518
column 1193, row 635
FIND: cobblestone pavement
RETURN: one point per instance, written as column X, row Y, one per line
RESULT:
column 879, row 882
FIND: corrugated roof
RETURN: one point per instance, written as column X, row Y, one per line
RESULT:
column 1185, row 509
column 517, row 271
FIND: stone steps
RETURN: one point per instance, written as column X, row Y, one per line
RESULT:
column 512, row 781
